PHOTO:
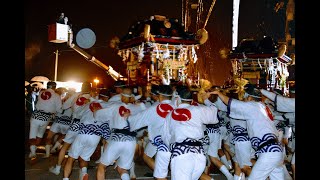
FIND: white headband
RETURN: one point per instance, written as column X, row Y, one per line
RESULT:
column 127, row 95
column 103, row 95
column 186, row 99
column 153, row 94
column 246, row 95
column 165, row 94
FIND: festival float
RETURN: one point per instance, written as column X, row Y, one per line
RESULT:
column 164, row 50
column 262, row 62
column 159, row 50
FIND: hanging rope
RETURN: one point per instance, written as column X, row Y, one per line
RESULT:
column 199, row 14
column 182, row 12
column 209, row 13
column 186, row 18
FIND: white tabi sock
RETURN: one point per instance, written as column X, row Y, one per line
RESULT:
column 102, row 148
column 230, row 163
column 243, row 176
column 33, row 149
column 226, row 172
column 131, row 171
column 236, row 177
column 58, row 167
column 48, row 146
column 55, row 146
column 125, row 176
column 225, row 161
column 84, row 170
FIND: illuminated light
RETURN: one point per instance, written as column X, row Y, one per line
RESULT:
column 69, row 84
column 96, row 81
column 235, row 18
column 74, row 85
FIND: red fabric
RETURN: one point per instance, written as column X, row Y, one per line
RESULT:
column 181, row 114
column 163, row 110
column 46, row 95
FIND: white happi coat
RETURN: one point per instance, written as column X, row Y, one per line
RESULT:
column 154, row 118
column 95, row 123
column 278, row 120
column 238, row 126
column 259, row 124
column 284, row 104
column 92, row 128
column 184, row 130
column 223, row 113
column 76, row 103
column 121, row 145
column 114, row 111
column 49, row 101
column 48, row 104
column 63, row 118
column 186, row 121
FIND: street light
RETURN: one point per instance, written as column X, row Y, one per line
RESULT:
column 96, row 81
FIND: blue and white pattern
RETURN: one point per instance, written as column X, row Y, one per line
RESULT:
column 75, row 125
column 212, row 130
column 65, row 120
column 122, row 137
column 99, row 130
column 273, row 147
column 222, row 121
column 157, row 141
column 229, row 128
column 42, row 116
column 240, row 134
column 105, row 131
column 183, row 149
column 205, row 140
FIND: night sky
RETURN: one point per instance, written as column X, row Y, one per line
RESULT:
column 113, row 18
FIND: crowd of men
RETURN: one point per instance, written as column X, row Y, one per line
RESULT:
column 252, row 137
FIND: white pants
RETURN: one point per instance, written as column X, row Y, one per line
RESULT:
column 243, row 153
column 150, row 149
column 122, row 151
column 215, row 144
column 37, row 128
column 269, row 164
column 84, row 146
column 161, row 165
column 187, row 166
column 59, row 128
column 70, row 136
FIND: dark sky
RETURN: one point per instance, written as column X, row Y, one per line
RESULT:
column 113, row 18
